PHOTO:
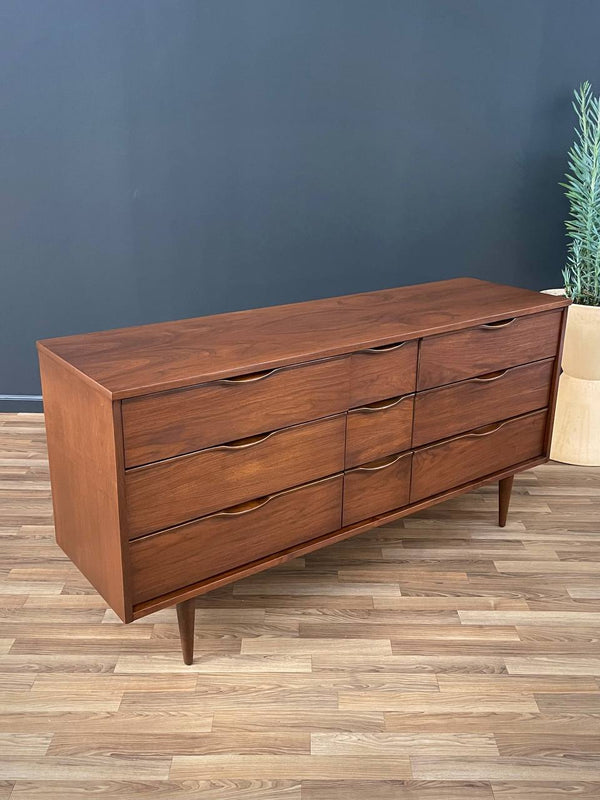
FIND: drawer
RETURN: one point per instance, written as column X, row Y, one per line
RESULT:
column 375, row 429
column 455, row 356
column 381, row 372
column 179, row 489
column 189, row 553
column 171, row 423
column 473, row 455
column 376, row 487
column 460, row 407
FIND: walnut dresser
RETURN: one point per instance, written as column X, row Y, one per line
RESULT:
column 185, row 455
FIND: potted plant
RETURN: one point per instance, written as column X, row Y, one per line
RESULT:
column 576, row 436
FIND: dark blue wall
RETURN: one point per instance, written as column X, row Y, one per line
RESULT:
column 172, row 158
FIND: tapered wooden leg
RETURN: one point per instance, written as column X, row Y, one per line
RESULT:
column 504, row 489
column 186, row 613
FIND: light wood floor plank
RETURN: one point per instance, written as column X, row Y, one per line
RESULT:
column 147, row 744
column 502, row 769
column 283, row 767
column 74, row 769
column 389, row 744
column 431, row 702
column 144, row 789
column 551, row 665
column 515, row 683
column 546, row 790
column 396, row 790
column 565, row 723
column 172, row 664
column 570, row 618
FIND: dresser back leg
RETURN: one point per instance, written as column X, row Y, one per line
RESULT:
column 504, row 490
column 186, row 613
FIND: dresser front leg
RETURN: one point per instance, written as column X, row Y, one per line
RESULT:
column 186, row 613
column 504, row 490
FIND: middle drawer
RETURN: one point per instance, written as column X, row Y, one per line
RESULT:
column 459, row 407
column 173, row 491
column 372, row 431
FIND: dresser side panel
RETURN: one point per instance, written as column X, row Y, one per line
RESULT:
column 86, row 472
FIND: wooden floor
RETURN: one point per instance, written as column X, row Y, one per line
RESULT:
column 439, row 658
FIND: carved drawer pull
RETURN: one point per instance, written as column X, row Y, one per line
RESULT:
column 242, row 444
column 502, row 323
column 487, row 430
column 381, row 463
column 381, row 405
column 491, row 376
column 259, row 502
column 252, row 377
column 245, row 508
column 384, row 348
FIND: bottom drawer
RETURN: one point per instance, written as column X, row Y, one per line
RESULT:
column 171, row 559
column 377, row 487
column 473, row 455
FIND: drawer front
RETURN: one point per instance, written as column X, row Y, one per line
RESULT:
column 455, row 356
column 373, row 430
column 189, row 553
column 381, row 372
column 376, row 488
column 463, row 406
column 443, row 466
column 179, row 489
column 172, row 423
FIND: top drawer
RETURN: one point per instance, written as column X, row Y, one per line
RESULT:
column 382, row 372
column 172, row 423
column 453, row 357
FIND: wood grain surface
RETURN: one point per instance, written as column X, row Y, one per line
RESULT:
column 440, row 466
column 376, row 487
column 493, row 346
column 140, row 360
column 378, row 429
column 183, row 555
column 383, row 372
column 465, row 405
column 88, row 481
column 437, row 658
column 178, row 489
column 171, row 423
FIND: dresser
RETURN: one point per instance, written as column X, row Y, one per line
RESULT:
column 186, row 455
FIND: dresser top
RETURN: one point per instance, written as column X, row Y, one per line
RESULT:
column 129, row 362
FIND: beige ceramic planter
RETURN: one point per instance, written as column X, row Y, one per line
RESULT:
column 576, row 434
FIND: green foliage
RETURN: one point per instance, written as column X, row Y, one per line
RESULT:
column 582, row 271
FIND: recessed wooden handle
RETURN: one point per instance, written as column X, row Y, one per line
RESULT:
column 485, row 431
column 251, row 377
column 381, row 463
column 384, row 348
column 381, row 405
column 244, row 508
column 491, row 376
column 259, row 502
column 241, row 444
column 502, row 323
